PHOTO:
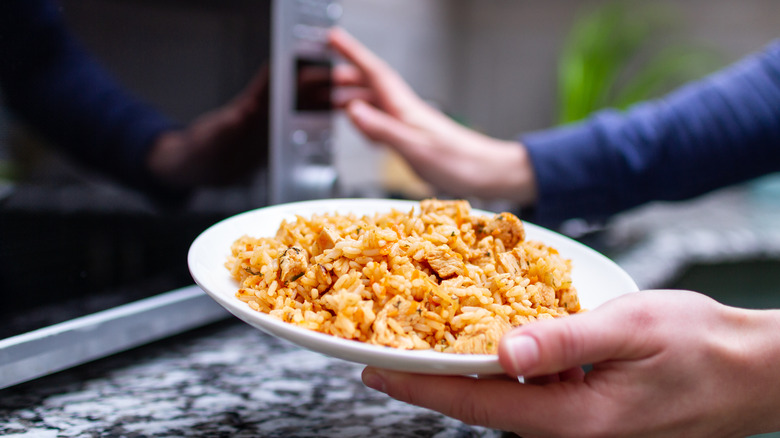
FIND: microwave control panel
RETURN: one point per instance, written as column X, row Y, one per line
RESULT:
column 301, row 162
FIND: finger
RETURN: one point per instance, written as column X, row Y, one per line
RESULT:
column 576, row 374
column 497, row 404
column 543, row 380
column 383, row 128
column 553, row 346
column 246, row 104
column 257, row 88
column 348, row 76
column 354, row 51
column 396, row 94
column 342, row 97
column 502, row 376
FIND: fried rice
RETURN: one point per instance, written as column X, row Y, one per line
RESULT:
column 436, row 278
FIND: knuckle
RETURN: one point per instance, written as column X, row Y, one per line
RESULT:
column 571, row 343
column 469, row 412
column 468, row 409
column 404, row 393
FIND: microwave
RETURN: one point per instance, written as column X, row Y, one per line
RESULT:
column 86, row 271
column 301, row 164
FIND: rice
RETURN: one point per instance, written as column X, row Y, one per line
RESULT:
column 440, row 278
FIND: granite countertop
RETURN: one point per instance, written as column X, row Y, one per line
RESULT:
column 656, row 242
column 227, row 379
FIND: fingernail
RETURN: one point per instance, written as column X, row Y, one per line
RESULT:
column 373, row 379
column 523, row 353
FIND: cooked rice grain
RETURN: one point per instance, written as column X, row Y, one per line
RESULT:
column 440, row 278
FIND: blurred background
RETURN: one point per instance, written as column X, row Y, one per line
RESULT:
column 500, row 66
column 492, row 64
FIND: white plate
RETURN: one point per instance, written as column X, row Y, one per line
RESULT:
column 596, row 278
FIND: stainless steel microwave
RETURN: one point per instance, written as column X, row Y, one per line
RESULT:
column 301, row 146
column 86, row 272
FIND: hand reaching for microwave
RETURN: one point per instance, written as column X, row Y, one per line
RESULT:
column 453, row 158
column 220, row 146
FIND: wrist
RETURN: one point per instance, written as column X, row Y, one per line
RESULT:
column 513, row 176
column 756, row 333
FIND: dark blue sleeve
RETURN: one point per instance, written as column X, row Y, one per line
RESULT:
column 49, row 81
column 715, row 132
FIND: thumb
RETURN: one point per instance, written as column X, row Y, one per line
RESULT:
column 553, row 346
column 384, row 128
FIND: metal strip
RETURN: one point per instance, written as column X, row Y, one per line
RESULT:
column 61, row 346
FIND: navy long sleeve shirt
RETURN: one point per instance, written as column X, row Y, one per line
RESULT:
column 50, row 81
column 715, row 132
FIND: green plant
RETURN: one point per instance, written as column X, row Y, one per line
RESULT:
column 620, row 54
column 7, row 171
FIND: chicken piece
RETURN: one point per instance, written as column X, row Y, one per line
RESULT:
column 542, row 294
column 292, row 264
column 325, row 240
column 388, row 328
column 483, row 253
column 504, row 226
column 328, row 238
column 482, row 338
column 522, row 259
column 508, row 261
column 445, row 262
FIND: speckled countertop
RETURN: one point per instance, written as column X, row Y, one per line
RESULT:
column 655, row 243
column 223, row 380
